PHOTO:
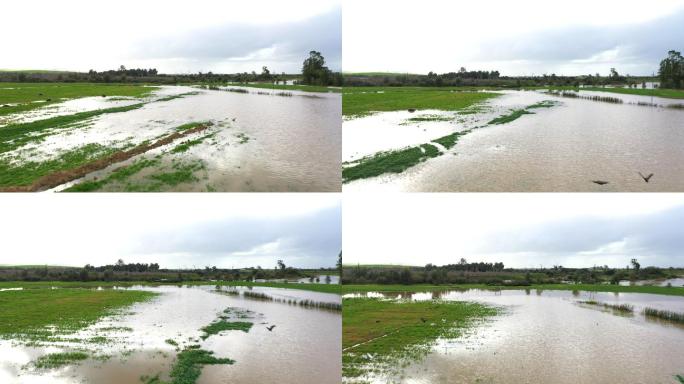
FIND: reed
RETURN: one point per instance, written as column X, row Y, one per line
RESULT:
column 676, row 317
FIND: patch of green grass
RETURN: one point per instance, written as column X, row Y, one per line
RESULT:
column 188, row 366
column 25, row 173
column 186, row 145
column 13, row 136
column 450, row 141
column 194, row 124
column 26, row 94
column 222, row 325
column 29, row 313
column 389, row 162
column 364, row 100
column 171, row 342
column 179, row 96
column 616, row 307
column 382, row 335
column 55, row 360
column 120, row 174
column 183, row 173
column 516, row 114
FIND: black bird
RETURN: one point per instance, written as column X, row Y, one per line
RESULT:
column 411, row 110
column 423, row 320
column 646, row 178
column 270, row 328
column 599, row 182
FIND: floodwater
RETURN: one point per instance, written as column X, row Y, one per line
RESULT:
column 560, row 149
column 305, row 343
column 548, row 337
column 261, row 141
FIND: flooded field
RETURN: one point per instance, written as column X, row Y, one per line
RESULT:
column 178, row 139
column 553, row 336
column 567, row 147
column 255, row 334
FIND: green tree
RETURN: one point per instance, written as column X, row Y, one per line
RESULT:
column 314, row 71
column 672, row 71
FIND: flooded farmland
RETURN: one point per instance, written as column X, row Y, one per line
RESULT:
column 553, row 336
column 290, row 332
column 564, row 148
column 188, row 139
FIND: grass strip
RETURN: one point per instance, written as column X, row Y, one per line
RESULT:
column 55, row 360
column 389, row 162
column 188, row 366
column 222, row 325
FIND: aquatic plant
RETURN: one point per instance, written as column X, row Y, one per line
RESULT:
column 677, row 317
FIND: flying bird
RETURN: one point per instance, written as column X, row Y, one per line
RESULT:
column 599, row 182
column 646, row 178
column 270, row 328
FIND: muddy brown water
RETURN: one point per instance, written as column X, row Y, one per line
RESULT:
column 547, row 337
column 305, row 343
column 559, row 149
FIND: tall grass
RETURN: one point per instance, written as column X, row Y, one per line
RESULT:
column 305, row 303
column 574, row 95
column 616, row 307
column 677, row 317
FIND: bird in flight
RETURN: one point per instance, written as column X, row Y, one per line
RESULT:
column 646, row 178
column 270, row 328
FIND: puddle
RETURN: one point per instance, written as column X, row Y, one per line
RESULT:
column 305, row 342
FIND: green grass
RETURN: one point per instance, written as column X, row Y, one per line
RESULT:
column 450, row 141
column 27, row 313
column 383, row 335
column 25, row 173
column 676, row 317
column 31, row 285
column 617, row 307
column 516, row 114
column 360, row 101
column 389, row 162
column 670, row 291
column 183, row 173
column 55, row 360
column 120, row 174
column 188, row 366
column 25, row 94
column 186, row 145
column 13, row 136
column 222, row 325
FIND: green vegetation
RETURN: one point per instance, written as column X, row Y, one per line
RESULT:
column 119, row 174
column 25, row 173
column 293, row 87
column 389, row 162
column 362, row 101
column 222, row 325
column 672, row 70
column 188, row 366
column 182, row 173
column 616, row 307
column 381, row 335
column 28, row 313
column 450, row 141
column 55, row 360
column 516, row 114
column 658, row 92
column 14, row 136
column 428, row 118
column 24, row 97
column 676, row 317
column 186, row 145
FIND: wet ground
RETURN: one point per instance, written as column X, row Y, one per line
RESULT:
column 549, row 337
column 564, row 148
column 258, row 140
column 305, row 342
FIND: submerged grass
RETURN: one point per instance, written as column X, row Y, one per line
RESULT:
column 380, row 336
column 120, row 174
column 450, row 141
column 222, row 325
column 188, row 366
column 676, row 317
column 389, row 162
column 30, row 313
column 627, row 308
column 56, row 360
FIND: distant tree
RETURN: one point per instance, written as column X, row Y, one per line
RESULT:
column 635, row 264
column 314, row 71
column 339, row 264
column 672, row 71
column 281, row 265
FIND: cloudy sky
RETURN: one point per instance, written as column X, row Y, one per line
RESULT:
column 520, row 37
column 521, row 230
column 174, row 230
column 171, row 35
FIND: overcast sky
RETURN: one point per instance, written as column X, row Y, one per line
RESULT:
column 171, row 35
column 520, row 230
column 174, row 230
column 520, row 37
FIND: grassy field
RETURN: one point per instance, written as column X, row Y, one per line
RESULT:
column 389, row 162
column 30, row 285
column 26, row 313
column 26, row 96
column 360, row 101
column 377, row 335
column 665, row 93
column 670, row 291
